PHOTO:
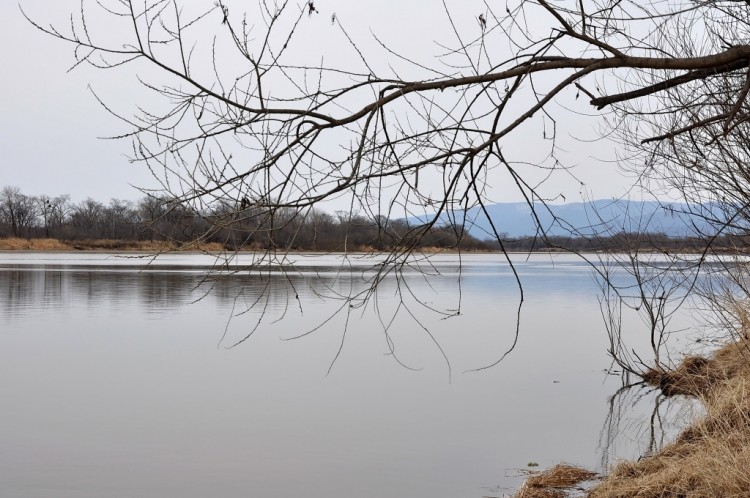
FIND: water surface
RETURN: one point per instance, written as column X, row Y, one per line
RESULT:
column 119, row 377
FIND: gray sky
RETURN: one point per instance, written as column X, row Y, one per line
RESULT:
column 50, row 121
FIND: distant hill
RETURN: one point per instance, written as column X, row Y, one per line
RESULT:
column 581, row 218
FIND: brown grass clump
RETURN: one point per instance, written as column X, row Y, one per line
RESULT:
column 554, row 482
column 711, row 458
column 695, row 375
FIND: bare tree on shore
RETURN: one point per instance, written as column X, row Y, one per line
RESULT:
column 17, row 210
column 247, row 114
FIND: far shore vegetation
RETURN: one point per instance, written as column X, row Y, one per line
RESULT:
column 653, row 243
column 43, row 223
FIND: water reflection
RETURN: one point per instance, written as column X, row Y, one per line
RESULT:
column 114, row 384
column 17, row 289
column 641, row 420
column 163, row 290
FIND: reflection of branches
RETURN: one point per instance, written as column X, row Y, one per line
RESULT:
column 637, row 409
column 611, row 430
column 266, row 292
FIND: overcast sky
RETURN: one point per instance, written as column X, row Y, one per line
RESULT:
column 50, row 123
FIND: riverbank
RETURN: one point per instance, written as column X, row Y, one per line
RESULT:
column 19, row 244
column 115, row 245
column 710, row 458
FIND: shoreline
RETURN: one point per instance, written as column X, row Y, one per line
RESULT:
column 114, row 245
column 100, row 245
column 18, row 244
column 709, row 458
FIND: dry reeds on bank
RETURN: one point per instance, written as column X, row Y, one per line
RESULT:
column 711, row 458
column 554, row 482
column 19, row 244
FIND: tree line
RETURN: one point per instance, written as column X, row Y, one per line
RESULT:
column 244, row 226
column 233, row 225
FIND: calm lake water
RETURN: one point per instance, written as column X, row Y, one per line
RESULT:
column 118, row 378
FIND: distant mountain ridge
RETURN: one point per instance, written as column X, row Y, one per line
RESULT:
column 515, row 219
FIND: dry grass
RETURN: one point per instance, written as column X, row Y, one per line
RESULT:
column 711, row 458
column 19, row 244
column 121, row 245
column 145, row 246
column 698, row 376
column 554, row 482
